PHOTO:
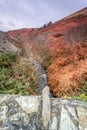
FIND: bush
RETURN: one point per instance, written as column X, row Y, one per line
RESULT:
column 82, row 96
column 77, row 34
column 6, row 59
column 45, row 58
column 58, row 35
column 16, row 77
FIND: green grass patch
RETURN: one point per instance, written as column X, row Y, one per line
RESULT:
column 83, row 95
column 16, row 77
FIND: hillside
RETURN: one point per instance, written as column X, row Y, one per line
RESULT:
column 61, row 48
column 16, row 73
column 7, row 44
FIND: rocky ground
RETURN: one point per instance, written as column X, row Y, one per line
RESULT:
column 41, row 113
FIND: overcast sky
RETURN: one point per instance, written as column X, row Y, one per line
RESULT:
column 15, row 14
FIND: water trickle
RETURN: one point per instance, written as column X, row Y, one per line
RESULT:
column 42, row 77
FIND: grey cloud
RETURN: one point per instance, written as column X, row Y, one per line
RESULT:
column 10, row 23
column 34, row 13
column 1, row 22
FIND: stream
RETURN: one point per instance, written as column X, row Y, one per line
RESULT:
column 42, row 77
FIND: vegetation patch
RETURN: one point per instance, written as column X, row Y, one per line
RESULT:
column 16, row 75
column 83, row 95
column 58, row 35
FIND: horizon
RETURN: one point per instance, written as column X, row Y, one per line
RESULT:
column 28, row 14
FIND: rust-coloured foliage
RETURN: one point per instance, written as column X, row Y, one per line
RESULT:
column 64, row 44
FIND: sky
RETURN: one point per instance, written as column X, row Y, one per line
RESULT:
column 16, row 14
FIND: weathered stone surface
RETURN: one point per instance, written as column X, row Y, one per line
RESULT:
column 82, row 115
column 20, row 113
column 55, row 117
column 3, row 112
column 41, row 113
column 53, row 123
column 4, row 99
column 7, row 44
column 46, row 111
column 66, row 123
column 72, row 113
column 28, row 104
column 5, row 128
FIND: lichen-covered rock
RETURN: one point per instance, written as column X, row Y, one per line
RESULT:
column 41, row 113
column 28, row 104
column 46, row 106
column 66, row 122
column 82, row 115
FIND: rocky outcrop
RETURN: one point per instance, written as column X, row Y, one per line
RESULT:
column 6, row 43
column 41, row 113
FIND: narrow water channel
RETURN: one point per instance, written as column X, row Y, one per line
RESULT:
column 42, row 77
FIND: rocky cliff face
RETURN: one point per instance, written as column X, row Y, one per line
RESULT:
column 66, row 42
column 6, row 43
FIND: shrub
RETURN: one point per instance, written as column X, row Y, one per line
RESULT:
column 45, row 58
column 16, row 77
column 77, row 34
column 7, row 58
column 58, row 35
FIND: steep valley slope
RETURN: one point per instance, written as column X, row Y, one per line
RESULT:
column 6, row 43
column 61, row 48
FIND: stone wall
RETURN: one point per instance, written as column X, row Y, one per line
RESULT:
column 41, row 113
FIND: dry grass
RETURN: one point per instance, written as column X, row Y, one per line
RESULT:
column 68, row 70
